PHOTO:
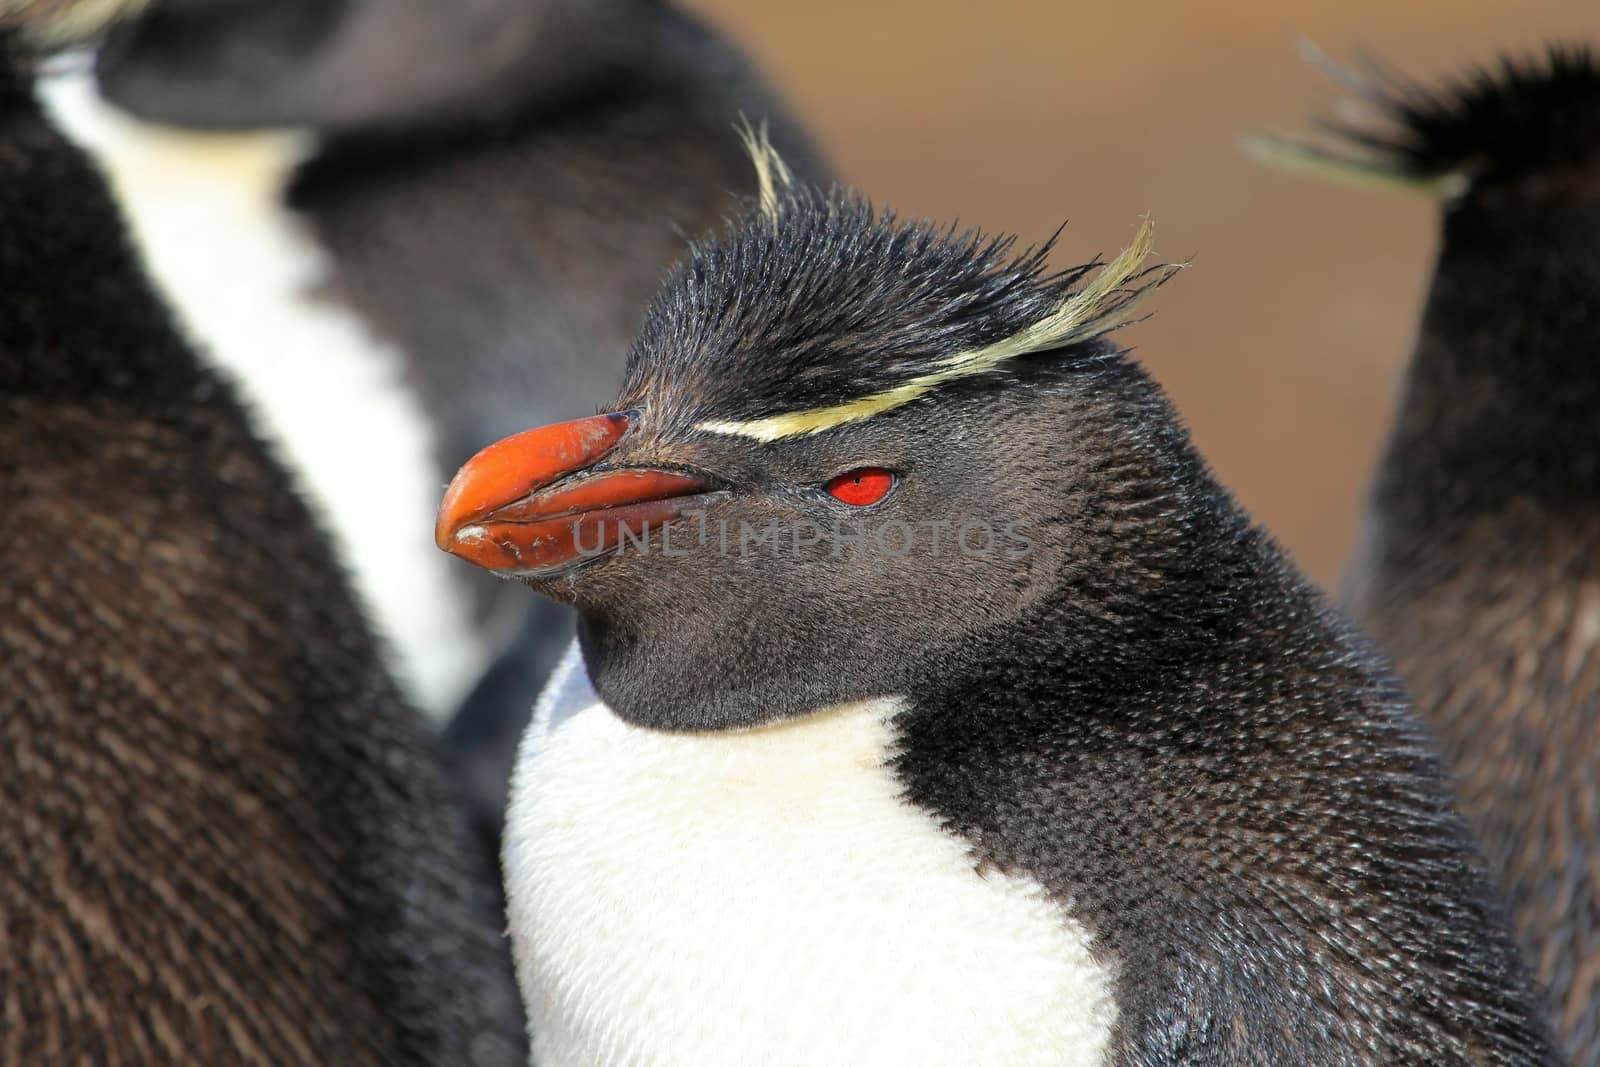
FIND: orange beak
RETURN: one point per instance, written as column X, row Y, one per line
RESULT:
column 532, row 504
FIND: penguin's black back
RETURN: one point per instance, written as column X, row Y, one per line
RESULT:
column 1222, row 783
column 228, row 840
column 1479, row 570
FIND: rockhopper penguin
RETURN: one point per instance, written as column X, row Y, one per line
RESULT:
column 1103, row 781
column 227, row 840
column 499, row 187
column 1479, row 563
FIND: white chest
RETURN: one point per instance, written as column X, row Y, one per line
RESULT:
column 767, row 898
column 205, row 210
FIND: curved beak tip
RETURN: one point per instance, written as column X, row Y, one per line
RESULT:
column 530, row 504
column 516, row 466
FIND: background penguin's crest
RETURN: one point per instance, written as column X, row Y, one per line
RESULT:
column 1524, row 116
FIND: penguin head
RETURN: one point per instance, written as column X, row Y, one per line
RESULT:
column 847, row 445
column 344, row 65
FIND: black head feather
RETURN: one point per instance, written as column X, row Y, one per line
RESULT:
column 1495, row 123
column 830, row 300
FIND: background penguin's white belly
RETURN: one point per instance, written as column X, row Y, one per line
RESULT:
column 206, row 211
column 766, row 898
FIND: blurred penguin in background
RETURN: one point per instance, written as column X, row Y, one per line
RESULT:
column 495, row 189
column 228, row 838
column 1479, row 562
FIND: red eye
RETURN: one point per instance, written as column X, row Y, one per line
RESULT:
column 863, row 486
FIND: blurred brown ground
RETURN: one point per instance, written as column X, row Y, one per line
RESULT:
column 1282, row 344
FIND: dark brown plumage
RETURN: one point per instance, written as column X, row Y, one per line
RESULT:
column 1479, row 567
column 228, row 840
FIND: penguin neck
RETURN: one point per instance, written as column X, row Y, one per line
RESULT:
column 1500, row 397
column 1158, row 609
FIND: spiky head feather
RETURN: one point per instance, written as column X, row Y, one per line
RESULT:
column 819, row 310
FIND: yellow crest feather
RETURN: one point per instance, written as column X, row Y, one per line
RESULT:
column 1103, row 305
column 1372, row 89
column 771, row 171
column 1293, row 156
